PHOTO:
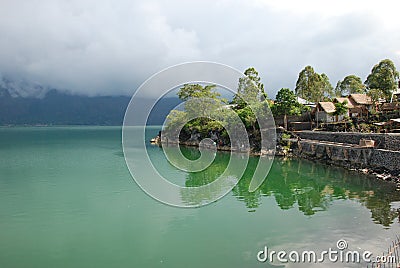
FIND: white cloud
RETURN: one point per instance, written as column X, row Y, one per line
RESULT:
column 110, row 47
column 385, row 9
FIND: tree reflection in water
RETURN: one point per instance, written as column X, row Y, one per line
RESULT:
column 309, row 186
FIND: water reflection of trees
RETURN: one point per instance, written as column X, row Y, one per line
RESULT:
column 208, row 175
column 313, row 187
column 305, row 185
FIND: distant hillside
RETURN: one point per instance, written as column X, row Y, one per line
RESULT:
column 57, row 108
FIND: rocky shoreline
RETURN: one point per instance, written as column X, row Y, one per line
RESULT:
column 289, row 145
column 378, row 173
column 381, row 163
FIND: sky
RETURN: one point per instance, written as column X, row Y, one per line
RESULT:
column 97, row 47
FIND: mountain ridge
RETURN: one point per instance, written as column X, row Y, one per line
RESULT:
column 60, row 108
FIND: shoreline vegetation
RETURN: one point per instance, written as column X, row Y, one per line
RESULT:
column 208, row 116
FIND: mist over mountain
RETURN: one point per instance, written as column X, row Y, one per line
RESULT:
column 22, row 88
column 23, row 103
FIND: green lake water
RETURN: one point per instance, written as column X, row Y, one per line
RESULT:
column 67, row 199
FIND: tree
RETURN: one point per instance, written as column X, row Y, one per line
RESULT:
column 340, row 109
column 306, row 82
column 252, row 74
column 376, row 95
column 384, row 77
column 175, row 120
column 248, row 117
column 197, row 91
column 250, row 89
column 351, row 84
column 326, row 86
column 313, row 86
column 200, row 100
column 286, row 103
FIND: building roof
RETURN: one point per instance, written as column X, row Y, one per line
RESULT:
column 390, row 106
column 361, row 99
column 349, row 104
column 396, row 92
column 341, row 99
column 327, row 106
column 304, row 101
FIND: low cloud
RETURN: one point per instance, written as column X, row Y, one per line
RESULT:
column 110, row 48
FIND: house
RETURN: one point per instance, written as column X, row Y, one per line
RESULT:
column 323, row 110
column 341, row 100
column 356, row 104
column 362, row 101
column 349, row 105
column 359, row 104
column 395, row 125
column 390, row 107
column 306, row 102
column 396, row 95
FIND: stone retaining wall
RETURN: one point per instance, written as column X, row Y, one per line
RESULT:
column 387, row 141
column 349, row 156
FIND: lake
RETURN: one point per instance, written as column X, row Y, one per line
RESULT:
column 67, row 199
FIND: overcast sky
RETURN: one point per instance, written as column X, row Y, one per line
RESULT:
column 111, row 47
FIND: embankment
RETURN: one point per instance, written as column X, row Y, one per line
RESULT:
column 342, row 149
column 387, row 141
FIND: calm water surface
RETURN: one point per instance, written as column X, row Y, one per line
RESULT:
column 67, row 200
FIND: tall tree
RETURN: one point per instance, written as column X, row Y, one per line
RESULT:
column 351, row 84
column 313, row 86
column 326, row 86
column 376, row 95
column 286, row 103
column 200, row 100
column 250, row 89
column 252, row 74
column 384, row 77
column 197, row 91
column 305, row 83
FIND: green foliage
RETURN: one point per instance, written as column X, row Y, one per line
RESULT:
column 376, row 94
column 306, row 83
column 364, row 127
column 252, row 74
column 340, row 108
column 189, row 91
column 286, row 136
column 247, row 116
column 201, row 101
column 384, row 77
column 286, row 96
column 251, row 100
column 250, row 89
column 284, row 141
column 176, row 119
column 351, row 84
column 313, row 86
column 326, row 86
column 286, row 103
